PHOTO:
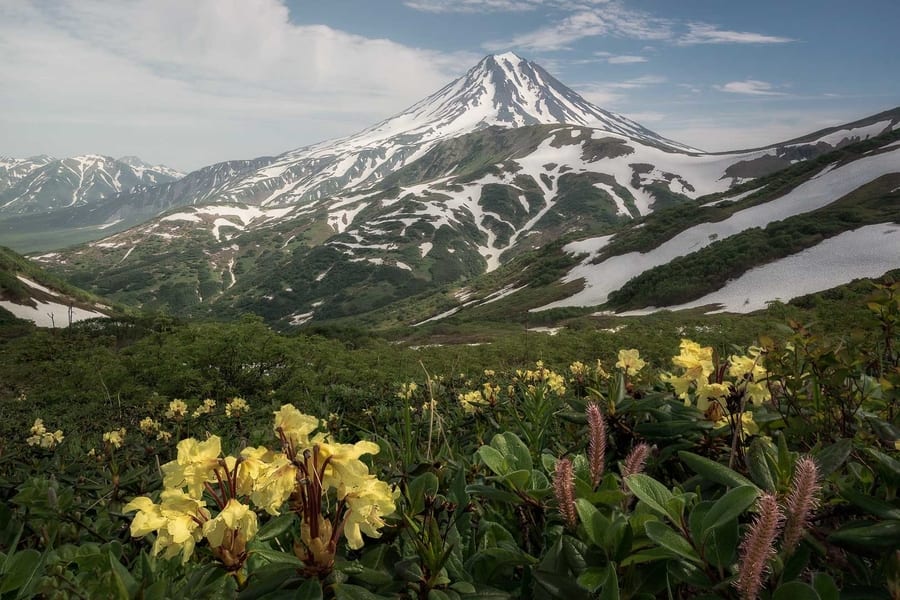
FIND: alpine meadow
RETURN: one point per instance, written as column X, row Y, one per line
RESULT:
column 504, row 343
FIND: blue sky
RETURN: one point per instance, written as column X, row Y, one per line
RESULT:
column 193, row 83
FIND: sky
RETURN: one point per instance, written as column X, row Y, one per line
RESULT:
column 188, row 83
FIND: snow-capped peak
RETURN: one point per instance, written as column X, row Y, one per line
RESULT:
column 503, row 90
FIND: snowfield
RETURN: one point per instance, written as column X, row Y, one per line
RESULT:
column 829, row 185
column 869, row 251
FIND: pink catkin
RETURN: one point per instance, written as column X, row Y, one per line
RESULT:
column 758, row 547
column 636, row 460
column 802, row 502
column 596, row 442
column 564, row 489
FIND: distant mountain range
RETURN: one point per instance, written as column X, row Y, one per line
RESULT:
column 497, row 165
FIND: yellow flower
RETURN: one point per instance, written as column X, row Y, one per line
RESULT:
column 176, row 520
column 630, row 361
column 236, row 408
column 195, row 465
column 711, row 391
column 489, row 373
column 696, row 360
column 43, row 438
column 748, row 425
column 295, row 426
column 204, row 409
column 164, row 436
column 407, row 390
column 235, row 518
column 114, row 438
column 177, row 410
column 149, row 426
column 276, row 480
column 472, row 401
column 369, row 501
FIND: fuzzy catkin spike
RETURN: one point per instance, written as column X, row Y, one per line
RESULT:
column 636, row 460
column 802, row 502
column 596, row 442
column 564, row 489
column 758, row 547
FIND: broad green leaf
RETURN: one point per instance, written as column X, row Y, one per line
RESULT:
column 890, row 467
column 666, row 537
column 868, row 537
column 493, row 459
column 651, row 492
column 20, row 569
column 729, row 506
column 830, row 458
column 795, row 590
column 714, row 471
column 125, row 583
column 345, row 591
column 518, row 480
column 275, row 527
column 611, row 585
column 873, row 506
column 595, row 523
column 514, row 450
column 274, row 556
column 477, row 489
column 760, row 458
column 592, row 578
column 825, row 586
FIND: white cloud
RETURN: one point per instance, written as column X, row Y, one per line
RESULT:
column 625, row 59
column 610, row 93
column 750, row 87
column 189, row 80
column 704, row 33
column 599, row 18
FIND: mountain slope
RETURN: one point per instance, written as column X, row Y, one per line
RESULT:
column 456, row 186
column 28, row 293
column 77, row 181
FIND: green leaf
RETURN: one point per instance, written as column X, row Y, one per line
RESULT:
column 20, row 570
column 830, row 458
column 868, row 537
column 871, row 505
column 666, row 537
column 493, row 459
column 595, row 523
column 275, row 527
column 274, row 556
column 425, row 485
column 650, row 492
column 518, row 480
column 345, row 591
column 477, row 489
column 126, row 585
column 713, row 471
column 890, row 467
column 592, row 578
column 795, row 590
column 514, row 450
column 729, row 507
column 760, row 458
column 611, row 585
column 825, row 586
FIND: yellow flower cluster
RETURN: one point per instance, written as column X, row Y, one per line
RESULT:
column 43, row 438
column 541, row 375
column 236, row 408
column 309, row 466
column 698, row 372
column 114, row 438
column 149, row 425
column 407, row 391
column 204, row 409
column 472, row 401
column 630, row 361
column 177, row 410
